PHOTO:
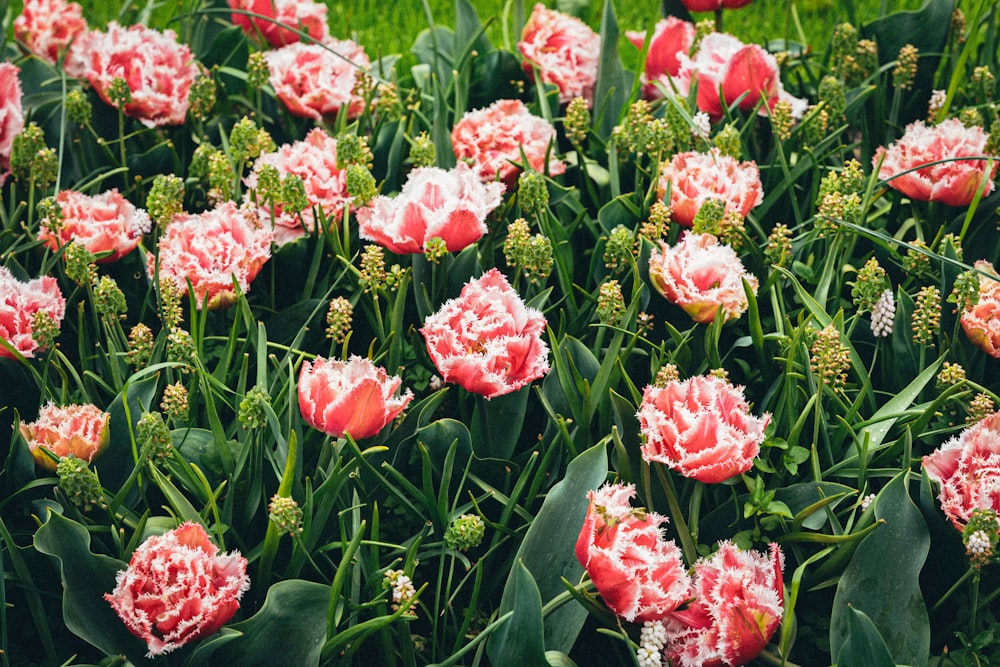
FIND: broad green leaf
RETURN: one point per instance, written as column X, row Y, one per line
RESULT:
column 883, row 579
column 519, row 640
column 117, row 461
column 86, row 577
column 496, row 424
column 613, row 85
column 290, row 628
column 548, row 549
column 863, row 645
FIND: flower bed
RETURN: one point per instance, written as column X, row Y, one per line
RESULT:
column 498, row 355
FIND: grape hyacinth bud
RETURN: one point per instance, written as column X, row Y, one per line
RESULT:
column 175, row 402
column 338, row 319
column 286, row 515
column 140, row 342
column 78, row 107
column 353, row 149
column 252, row 413
column 980, row 407
column 202, row 97
column 619, row 248
column 109, row 301
column 779, row 245
column 883, row 315
column 667, row 373
column 610, row 302
column 869, row 285
column 181, row 350
column 465, row 532
column 152, row 434
column 927, row 315
column 165, row 199
column 422, row 151
column 577, row 121
column 80, row 483
column 829, row 358
column 728, row 141
column 247, row 141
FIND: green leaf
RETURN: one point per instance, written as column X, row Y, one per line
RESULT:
column 612, row 88
column 883, row 579
column 548, row 549
column 117, row 462
column 496, row 424
column 863, row 645
column 291, row 624
column 519, row 640
column 86, row 577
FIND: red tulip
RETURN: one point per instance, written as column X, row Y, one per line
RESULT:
column 448, row 204
column 354, row 397
column 953, row 182
column 305, row 15
column 701, row 427
column 968, row 469
column 701, row 275
column 738, row 604
column 19, row 301
column 71, row 430
column 487, row 340
column 104, row 223
column 640, row 576
column 671, row 38
column 178, row 589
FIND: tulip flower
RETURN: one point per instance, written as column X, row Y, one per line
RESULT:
column 106, row 224
column 701, row 427
column 354, row 397
column 640, row 575
column 71, row 430
column 487, row 340
column 178, row 588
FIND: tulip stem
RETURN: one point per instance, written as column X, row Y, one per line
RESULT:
column 687, row 544
column 772, row 659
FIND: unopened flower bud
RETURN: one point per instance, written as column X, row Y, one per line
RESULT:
column 247, row 141
column 286, row 515
column 980, row 407
column 829, row 358
column 252, row 413
column 44, row 329
column 202, row 97
column 610, row 302
column 619, row 248
column 577, row 121
column 936, row 103
column 781, row 120
column 532, row 194
column 338, row 319
column 78, row 107
column 668, row 373
column 532, row 255
column 728, row 141
column 435, row 249
column 655, row 228
column 422, row 151
column 950, row 374
column 181, row 350
column 109, row 301
column 869, row 285
column 165, row 199
column 927, row 315
column 175, row 402
column 353, row 149
column 779, row 245
column 153, row 436
column 831, row 93
column 80, row 483
column 171, row 311
column 119, row 93
column 883, row 315
column 80, row 266
column 258, row 72
column 140, row 341
column 708, row 219
column 360, row 184
column 465, row 532
column 373, row 274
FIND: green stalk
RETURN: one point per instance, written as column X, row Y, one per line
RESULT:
column 687, row 544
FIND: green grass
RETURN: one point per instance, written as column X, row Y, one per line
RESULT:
column 393, row 31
